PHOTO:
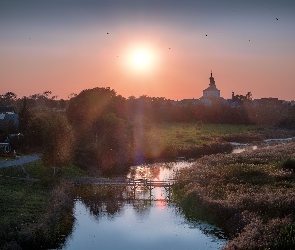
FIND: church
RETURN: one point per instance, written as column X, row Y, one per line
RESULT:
column 210, row 92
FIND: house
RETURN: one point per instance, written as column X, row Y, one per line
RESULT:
column 273, row 102
column 5, row 147
column 8, row 114
column 7, row 110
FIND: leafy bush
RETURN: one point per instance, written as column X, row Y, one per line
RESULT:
column 289, row 164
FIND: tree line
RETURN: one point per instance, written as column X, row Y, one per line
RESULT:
column 98, row 127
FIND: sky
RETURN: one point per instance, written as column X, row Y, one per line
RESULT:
column 159, row 48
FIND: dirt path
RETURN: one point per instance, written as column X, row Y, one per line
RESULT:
column 19, row 161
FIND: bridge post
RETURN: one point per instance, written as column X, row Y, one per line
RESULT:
column 169, row 192
column 150, row 191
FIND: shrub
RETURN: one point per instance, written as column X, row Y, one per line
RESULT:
column 286, row 240
column 289, row 164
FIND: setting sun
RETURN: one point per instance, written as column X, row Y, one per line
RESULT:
column 141, row 59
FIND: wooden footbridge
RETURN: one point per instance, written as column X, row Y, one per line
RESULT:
column 131, row 183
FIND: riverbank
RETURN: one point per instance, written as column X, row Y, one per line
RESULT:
column 36, row 212
column 249, row 195
column 192, row 140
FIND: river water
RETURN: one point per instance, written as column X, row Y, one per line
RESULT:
column 147, row 221
column 115, row 219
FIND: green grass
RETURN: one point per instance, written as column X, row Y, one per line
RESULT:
column 37, row 170
column 188, row 134
column 35, row 213
column 13, row 172
column 22, row 200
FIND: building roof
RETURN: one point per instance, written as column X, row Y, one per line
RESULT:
column 211, row 88
column 5, row 110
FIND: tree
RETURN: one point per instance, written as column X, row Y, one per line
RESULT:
column 103, row 136
column 89, row 105
column 62, row 104
column 24, row 117
column 8, row 98
column 47, row 93
column 242, row 98
column 34, row 132
column 114, row 141
column 57, row 142
column 8, row 126
column 249, row 96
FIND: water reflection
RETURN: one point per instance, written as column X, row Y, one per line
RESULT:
column 108, row 217
column 100, row 199
column 139, row 226
column 156, row 172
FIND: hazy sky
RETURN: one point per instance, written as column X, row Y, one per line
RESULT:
column 68, row 45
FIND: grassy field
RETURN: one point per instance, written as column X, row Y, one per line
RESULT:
column 36, row 170
column 170, row 140
column 250, row 195
column 25, row 199
column 187, row 134
column 21, row 200
column 29, row 208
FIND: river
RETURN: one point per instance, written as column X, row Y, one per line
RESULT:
column 147, row 221
column 114, row 219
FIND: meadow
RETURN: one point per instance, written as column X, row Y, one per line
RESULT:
column 184, row 135
column 167, row 141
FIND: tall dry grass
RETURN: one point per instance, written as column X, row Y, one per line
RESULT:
column 250, row 195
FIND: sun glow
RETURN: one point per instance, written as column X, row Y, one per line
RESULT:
column 141, row 59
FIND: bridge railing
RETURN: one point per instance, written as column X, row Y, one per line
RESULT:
column 123, row 181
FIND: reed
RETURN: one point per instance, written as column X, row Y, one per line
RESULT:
column 250, row 195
